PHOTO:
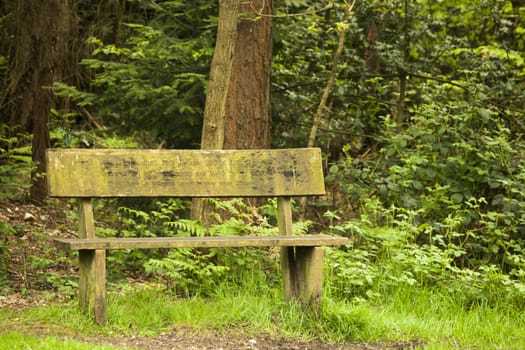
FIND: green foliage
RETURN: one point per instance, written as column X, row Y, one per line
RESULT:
column 151, row 86
column 382, row 260
column 472, row 48
column 187, row 271
column 455, row 176
column 50, row 279
column 66, row 134
column 198, row 271
column 15, row 163
column 5, row 231
column 302, row 61
column 21, row 341
column 437, row 159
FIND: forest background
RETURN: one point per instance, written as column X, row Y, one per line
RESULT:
column 416, row 104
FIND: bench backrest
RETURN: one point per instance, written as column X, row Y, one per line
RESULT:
column 184, row 173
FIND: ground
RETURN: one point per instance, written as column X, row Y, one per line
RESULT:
column 30, row 222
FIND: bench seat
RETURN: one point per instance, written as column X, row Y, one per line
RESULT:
column 198, row 242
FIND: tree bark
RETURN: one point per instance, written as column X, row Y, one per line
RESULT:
column 42, row 33
column 247, row 123
column 217, row 92
column 220, row 72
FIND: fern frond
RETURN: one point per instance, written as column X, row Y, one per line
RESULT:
column 186, row 227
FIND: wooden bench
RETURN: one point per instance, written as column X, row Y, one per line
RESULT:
column 93, row 173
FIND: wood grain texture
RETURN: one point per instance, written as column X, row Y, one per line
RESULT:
column 284, row 216
column 309, row 276
column 184, row 173
column 86, row 220
column 92, row 283
column 284, row 222
column 199, row 242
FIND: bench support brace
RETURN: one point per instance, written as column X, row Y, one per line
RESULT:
column 92, row 283
column 92, row 267
column 303, row 275
column 302, row 267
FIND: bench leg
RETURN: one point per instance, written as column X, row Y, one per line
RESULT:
column 92, row 283
column 289, row 272
column 303, row 275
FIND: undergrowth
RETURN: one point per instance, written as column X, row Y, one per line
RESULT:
column 381, row 287
column 377, row 261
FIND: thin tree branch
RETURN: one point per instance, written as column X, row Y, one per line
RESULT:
column 91, row 119
column 333, row 74
column 326, row 93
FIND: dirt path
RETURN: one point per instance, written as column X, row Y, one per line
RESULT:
column 193, row 339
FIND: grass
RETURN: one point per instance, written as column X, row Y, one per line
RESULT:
column 406, row 315
column 16, row 340
column 444, row 323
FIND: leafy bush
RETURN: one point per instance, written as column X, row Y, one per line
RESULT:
column 440, row 207
column 187, row 271
column 383, row 260
column 453, row 176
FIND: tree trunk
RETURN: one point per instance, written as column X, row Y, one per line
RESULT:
column 217, row 92
column 239, row 116
column 43, row 31
column 248, row 106
column 220, row 72
column 247, row 124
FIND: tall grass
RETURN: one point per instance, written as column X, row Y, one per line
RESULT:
column 444, row 323
column 421, row 316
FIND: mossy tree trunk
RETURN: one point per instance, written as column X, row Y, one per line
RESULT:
column 220, row 72
column 217, row 92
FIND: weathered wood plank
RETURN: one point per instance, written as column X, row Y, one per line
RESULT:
column 92, row 266
column 184, row 173
column 309, row 276
column 284, row 222
column 85, row 218
column 92, row 283
column 199, row 242
column 284, row 216
column 289, row 272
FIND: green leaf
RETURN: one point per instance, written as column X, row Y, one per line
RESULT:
column 457, row 198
